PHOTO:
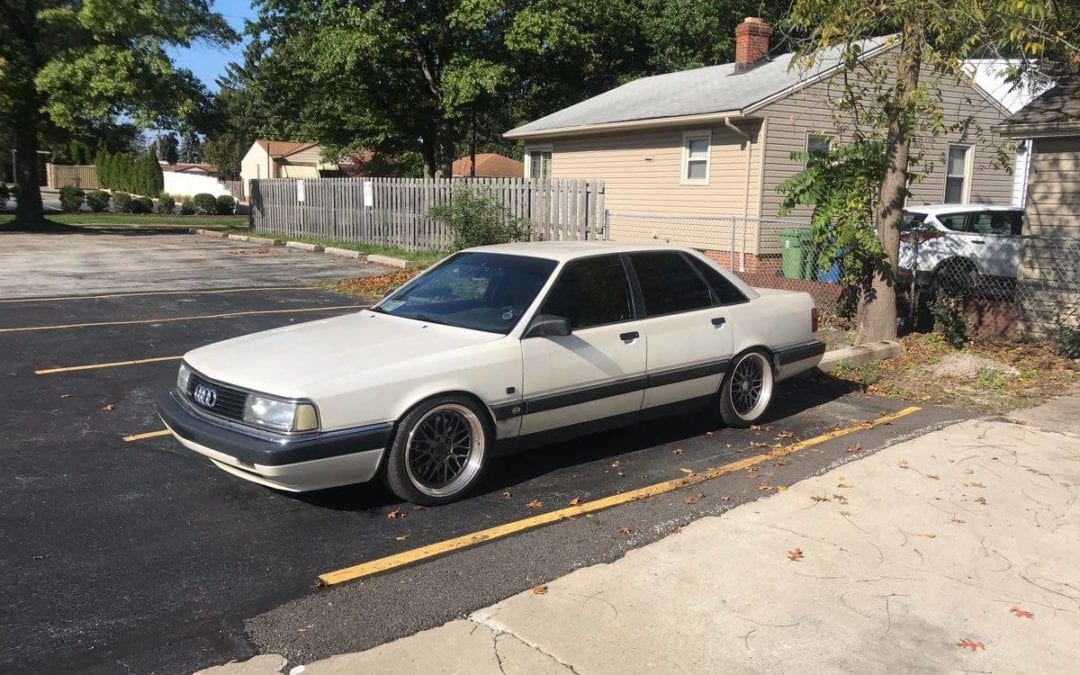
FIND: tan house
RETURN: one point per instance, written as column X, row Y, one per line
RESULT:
column 283, row 159
column 716, row 141
column 1049, row 268
column 488, row 165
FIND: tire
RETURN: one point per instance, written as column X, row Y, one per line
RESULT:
column 747, row 389
column 440, row 451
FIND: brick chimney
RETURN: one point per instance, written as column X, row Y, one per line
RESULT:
column 751, row 43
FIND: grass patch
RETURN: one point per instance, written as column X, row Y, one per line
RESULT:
column 421, row 258
column 132, row 220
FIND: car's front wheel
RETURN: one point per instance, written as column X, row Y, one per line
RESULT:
column 747, row 389
column 439, row 452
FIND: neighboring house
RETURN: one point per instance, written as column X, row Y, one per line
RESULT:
column 201, row 169
column 283, row 159
column 992, row 76
column 488, row 165
column 716, row 141
column 1050, row 256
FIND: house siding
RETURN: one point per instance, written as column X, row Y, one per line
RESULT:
column 1049, row 276
column 641, row 171
column 809, row 111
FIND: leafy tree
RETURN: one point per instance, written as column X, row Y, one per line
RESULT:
column 234, row 121
column 895, row 100
column 79, row 64
column 167, row 148
column 190, row 148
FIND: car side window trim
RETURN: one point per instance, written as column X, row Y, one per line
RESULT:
column 636, row 284
column 627, row 278
column 717, row 302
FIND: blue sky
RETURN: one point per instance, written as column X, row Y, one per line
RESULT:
column 209, row 62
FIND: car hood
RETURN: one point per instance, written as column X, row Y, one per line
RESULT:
column 288, row 361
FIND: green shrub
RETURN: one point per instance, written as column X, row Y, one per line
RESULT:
column 142, row 205
column 5, row 194
column 71, row 198
column 187, row 207
column 1066, row 339
column 121, row 202
column 205, row 204
column 97, row 200
column 478, row 219
column 166, row 203
column 225, row 205
column 949, row 321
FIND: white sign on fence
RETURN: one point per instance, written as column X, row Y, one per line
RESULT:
column 369, row 194
column 300, row 191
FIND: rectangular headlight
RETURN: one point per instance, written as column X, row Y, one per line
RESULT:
column 183, row 376
column 272, row 413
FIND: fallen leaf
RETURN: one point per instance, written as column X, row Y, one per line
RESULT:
column 933, row 476
column 853, row 449
column 507, row 494
column 781, row 488
column 396, row 513
column 575, row 501
column 65, row 395
column 770, row 474
column 761, row 445
column 956, row 520
column 902, row 464
column 402, row 537
column 694, row 498
column 795, row 555
column 418, row 508
column 615, row 464
column 708, row 433
column 1022, row 613
column 757, row 427
column 820, row 498
column 981, row 500
column 534, row 504
column 927, row 535
column 109, row 406
column 842, row 485
column 840, row 499
column 539, row 590
column 688, row 472
column 971, row 644
column 726, row 499
column 976, row 485
column 624, row 530
column 782, row 462
column 764, row 487
column 786, row 434
column 677, row 451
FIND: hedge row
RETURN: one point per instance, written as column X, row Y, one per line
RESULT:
column 140, row 174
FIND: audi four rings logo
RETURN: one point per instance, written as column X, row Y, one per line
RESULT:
column 205, row 396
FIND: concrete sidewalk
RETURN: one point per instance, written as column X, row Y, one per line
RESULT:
column 953, row 551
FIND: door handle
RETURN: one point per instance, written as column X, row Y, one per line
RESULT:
column 719, row 321
column 627, row 337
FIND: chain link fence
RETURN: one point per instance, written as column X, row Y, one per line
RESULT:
column 1006, row 286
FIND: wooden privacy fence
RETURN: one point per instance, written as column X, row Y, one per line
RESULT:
column 75, row 175
column 394, row 211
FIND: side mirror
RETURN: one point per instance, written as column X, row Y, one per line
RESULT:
column 548, row 325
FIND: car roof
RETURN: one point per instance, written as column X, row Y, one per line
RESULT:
column 935, row 209
column 568, row 250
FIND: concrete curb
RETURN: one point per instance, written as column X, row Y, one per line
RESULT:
column 343, row 252
column 239, row 237
column 210, row 233
column 267, row 241
column 314, row 248
column 392, row 262
column 859, row 355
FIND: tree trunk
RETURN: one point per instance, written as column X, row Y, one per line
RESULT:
column 877, row 311
column 24, row 119
column 427, row 151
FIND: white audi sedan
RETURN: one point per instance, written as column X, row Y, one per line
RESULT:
column 492, row 349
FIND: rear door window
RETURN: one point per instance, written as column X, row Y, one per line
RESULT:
column 726, row 292
column 669, row 284
column 591, row 292
column 957, row 222
column 1000, row 223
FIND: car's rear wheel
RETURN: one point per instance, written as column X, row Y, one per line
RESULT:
column 747, row 389
column 439, row 452
column 955, row 277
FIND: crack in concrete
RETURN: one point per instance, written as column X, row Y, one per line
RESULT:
column 497, row 628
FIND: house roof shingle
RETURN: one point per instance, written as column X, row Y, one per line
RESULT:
column 279, row 149
column 713, row 89
column 1056, row 110
column 489, row 164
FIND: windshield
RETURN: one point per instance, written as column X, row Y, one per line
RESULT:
column 482, row 291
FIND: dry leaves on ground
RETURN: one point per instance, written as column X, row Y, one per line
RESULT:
column 109, row 407
column 576, row 501
column 853, row 449
column 625, row 530
column 973, row 645
column 981, row 500
column 507, row 494
column 795, row 555
column 396, row 513
column 1021, row 613
column 694, row 498
column 819, row 498
column 402, row 537
column 539, row 590
column 677, row 451
column 534, row 504
column 374, row 286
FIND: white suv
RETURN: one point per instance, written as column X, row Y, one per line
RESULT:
column 960, row 247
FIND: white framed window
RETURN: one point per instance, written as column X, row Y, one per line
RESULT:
column 818, row 142
column 538, row 161
column 958, row 174
column 695, row 157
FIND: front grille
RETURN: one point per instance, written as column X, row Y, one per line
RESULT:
column 230, row 402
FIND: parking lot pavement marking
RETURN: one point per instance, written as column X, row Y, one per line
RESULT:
column 148, row 434
column 209, row 291
column 113, row 364
column 227, row 315
column 499, row 531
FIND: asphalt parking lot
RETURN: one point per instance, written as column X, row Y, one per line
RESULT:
column 138, row 555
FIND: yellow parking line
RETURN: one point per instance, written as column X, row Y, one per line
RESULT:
column 209, row 291
column 424, row 552
column 226, row 315
column 148, row 434
column 113, row 364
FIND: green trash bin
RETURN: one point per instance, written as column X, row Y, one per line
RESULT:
column 796, row 261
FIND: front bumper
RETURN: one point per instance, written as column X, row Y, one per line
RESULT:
column 294, row 463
